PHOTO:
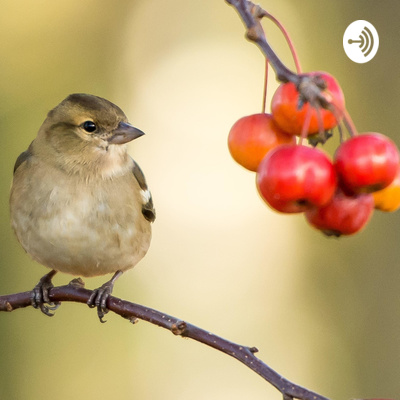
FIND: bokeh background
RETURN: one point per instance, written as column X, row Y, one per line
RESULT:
column 323, row 312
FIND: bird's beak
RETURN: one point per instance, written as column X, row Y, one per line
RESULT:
column 124, row 133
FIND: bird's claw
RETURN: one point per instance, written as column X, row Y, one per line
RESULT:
column 99, row 296
column 40, row 295
column 99, row 299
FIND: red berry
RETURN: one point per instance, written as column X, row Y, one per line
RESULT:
column 343, row 215
column 294, row 178
column 289, row 117
column 366, row 163
column 252, row 137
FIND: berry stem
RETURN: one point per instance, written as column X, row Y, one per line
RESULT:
column 264, row 103
column 320, row 122
column 349, row 123
column 341, row 138
column 306, row 125
column 287, row 37
column 338, row 112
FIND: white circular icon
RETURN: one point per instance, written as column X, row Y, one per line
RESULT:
column 360, row 41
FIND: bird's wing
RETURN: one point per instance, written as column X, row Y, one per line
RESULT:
column 148, row 210
column 22, row 158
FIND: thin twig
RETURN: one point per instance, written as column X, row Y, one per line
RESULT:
column 76, row 293
column 251, row 15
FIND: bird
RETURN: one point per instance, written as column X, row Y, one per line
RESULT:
column 79, row 204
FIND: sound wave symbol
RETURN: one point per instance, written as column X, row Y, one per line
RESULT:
column 366, row 41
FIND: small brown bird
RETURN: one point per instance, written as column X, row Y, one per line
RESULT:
column 79, row 203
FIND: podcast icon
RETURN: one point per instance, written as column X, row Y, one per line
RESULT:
column 360, row 41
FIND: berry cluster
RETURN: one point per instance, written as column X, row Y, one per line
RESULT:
column 337, row 196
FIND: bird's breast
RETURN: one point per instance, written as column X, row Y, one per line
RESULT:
column 81, row 227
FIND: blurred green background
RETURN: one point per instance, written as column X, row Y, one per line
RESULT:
column 323, row 312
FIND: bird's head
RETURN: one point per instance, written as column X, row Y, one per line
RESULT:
column 86, row 130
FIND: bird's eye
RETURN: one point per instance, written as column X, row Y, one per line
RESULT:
column 89, row 126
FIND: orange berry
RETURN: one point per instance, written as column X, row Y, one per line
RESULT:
column 388, row 199
column 289, row 117
column 252, row 137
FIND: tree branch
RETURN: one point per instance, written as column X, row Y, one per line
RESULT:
column 310, row 87
column 77, row 293
column 251, row 15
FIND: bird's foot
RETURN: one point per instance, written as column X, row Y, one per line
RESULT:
column 40, row 295
column 99, row 299
column 100, row 296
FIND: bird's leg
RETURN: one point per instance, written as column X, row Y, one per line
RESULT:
column 100, row 295
column 40, row 295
